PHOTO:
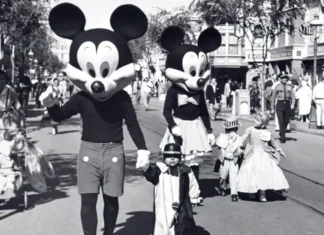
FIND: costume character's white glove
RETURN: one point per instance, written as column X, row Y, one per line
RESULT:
column 211, row 139
column 143, row 159
column 49, row 97
column 176, row 131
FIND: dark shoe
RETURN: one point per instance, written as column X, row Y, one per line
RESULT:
column 282, row 141
column 234, row 198
column 319, row 127
column 222, row 192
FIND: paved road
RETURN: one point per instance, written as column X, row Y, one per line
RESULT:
column 57, row 212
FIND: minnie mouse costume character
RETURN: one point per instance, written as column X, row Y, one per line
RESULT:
column 186, row 68
column 101, row 65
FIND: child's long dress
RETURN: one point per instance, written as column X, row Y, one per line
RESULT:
column 260, row 170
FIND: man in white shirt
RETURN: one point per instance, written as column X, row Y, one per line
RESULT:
column 147, row 91
column 228, row 93
column 318, row 97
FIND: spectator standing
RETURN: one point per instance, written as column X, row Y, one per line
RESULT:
column 285, row 97
column 318, row 97
column 25, row 86
column 146, row 91
column 228, row 93
column 137, row 90
column 213, row 98
column 304, row 95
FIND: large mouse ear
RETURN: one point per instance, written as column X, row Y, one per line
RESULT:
column 129, row 21
column 210, row 40
column 67, row 20
column 171, row 37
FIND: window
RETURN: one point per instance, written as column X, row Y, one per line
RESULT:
column 222, row 49
column 233, row 46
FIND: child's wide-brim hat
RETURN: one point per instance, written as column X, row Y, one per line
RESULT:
column 231, row 122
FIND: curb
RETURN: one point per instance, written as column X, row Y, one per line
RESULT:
column 293, row 126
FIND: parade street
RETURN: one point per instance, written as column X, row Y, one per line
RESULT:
column 57, row 212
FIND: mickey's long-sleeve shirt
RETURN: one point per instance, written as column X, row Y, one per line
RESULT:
column 102, row 120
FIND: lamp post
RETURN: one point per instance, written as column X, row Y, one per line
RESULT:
column 315, row 25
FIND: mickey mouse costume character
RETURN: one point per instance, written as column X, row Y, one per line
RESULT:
column 101, row 65
column 185, row 108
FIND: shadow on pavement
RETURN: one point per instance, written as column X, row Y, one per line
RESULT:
column 271, row 195
column 207, row 187
column 35, row 125
column 65, row 166
column 65, row 169
column 35, row 113
column 142, row 222
column 131, row 173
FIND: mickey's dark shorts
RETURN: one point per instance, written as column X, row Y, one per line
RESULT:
column 101, row 165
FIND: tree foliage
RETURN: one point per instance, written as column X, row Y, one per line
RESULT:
column 143, row 47
column 274, row 16
column 28, row 30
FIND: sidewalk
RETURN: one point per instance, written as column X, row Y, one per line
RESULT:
column 294, row 125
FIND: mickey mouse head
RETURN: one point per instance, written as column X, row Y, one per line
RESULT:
column 186, row 64
column 101, row 62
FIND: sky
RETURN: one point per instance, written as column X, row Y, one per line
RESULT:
column 98, row 12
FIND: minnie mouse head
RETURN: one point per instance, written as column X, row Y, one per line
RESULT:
column 101, row 62
column 186, row 64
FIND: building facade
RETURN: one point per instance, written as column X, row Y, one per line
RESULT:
column 61, row 49
column 316, row 7
column 228, row 61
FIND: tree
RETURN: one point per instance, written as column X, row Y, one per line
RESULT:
column 254, row 21
column 149, row 44
column 27, row 31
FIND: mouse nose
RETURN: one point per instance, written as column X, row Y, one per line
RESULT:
column 97, row 87
column 200, row 82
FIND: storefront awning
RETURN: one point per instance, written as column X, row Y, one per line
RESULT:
column 319, row 57
column 229, row 66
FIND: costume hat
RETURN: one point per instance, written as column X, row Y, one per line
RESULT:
column 231, row 122
column 172, row 150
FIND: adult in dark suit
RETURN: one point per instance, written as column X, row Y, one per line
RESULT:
column 213, row 98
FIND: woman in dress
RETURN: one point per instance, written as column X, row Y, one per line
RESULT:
column 260, row 171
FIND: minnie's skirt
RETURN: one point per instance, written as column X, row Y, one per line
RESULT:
column 195, row 143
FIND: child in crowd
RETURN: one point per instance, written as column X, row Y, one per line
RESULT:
column 260, row 171
column 229, row 144
column 176, row 191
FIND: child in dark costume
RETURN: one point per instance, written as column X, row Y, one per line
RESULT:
column 176, row 191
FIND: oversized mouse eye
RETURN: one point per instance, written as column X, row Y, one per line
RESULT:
column 201, row 73
column 91, row 70
column 192, row 71
column 104, row 69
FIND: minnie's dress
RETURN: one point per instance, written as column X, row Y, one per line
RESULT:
column 260, row 170
column 190, row 113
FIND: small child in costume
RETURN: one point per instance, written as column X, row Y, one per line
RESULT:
column 176, row 191
column 229, row 144
column 259, row 170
